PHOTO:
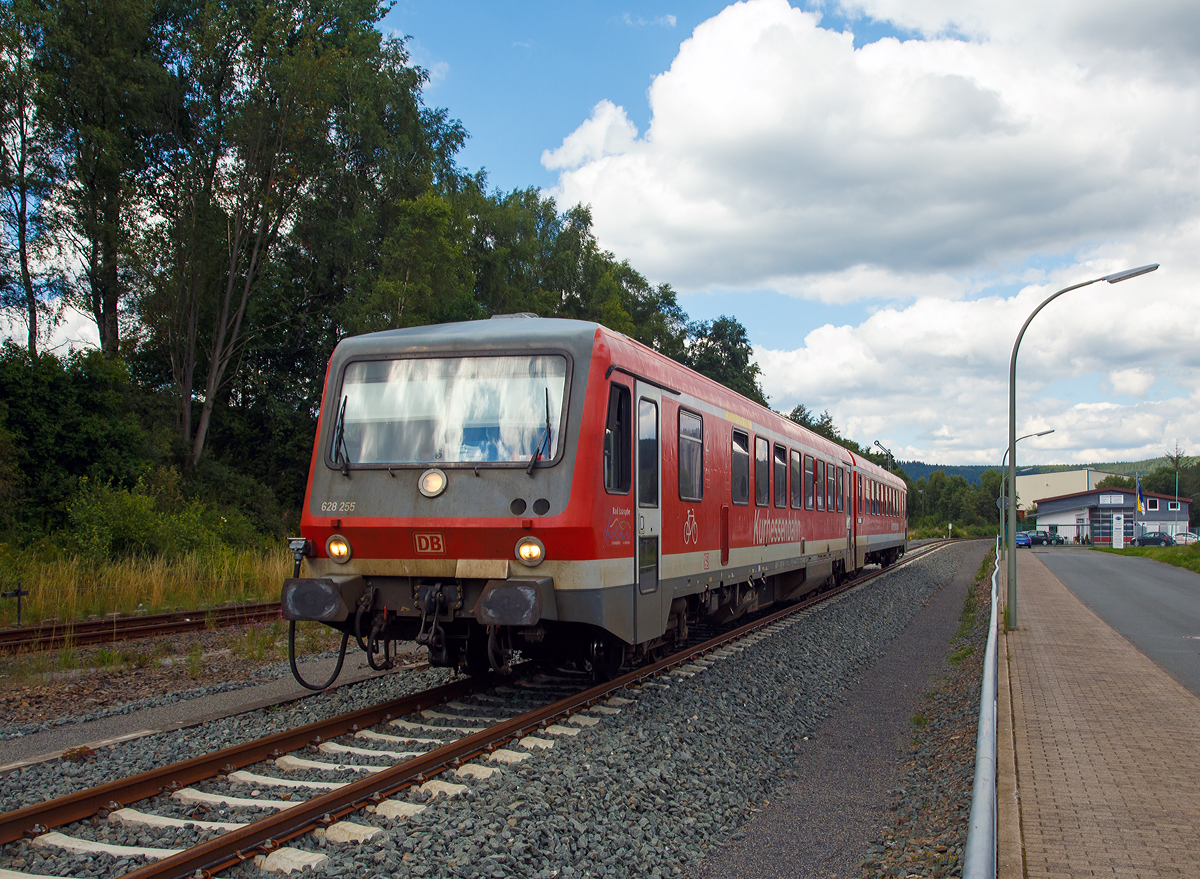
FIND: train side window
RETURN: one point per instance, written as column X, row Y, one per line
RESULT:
column 762, row 472
column 647, row 453
column 859, row 481
column 810, row 470
column 841, row 484
column 691, row 456
column 797, row 482
column 739, row 486
column 781, row 492
column 829, row 486
column 820, row 485
column 617, row 436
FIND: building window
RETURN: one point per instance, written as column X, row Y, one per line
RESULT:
column 739, row 487
column 1152, row 503
column 1173, row 505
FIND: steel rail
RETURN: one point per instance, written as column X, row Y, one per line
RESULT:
column 979, row 853
column 268, row 833
column 84, row 804
column 79, row 634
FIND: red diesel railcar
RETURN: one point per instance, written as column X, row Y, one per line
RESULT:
column 556, row 488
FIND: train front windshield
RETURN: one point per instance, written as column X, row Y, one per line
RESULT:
column 450, row 410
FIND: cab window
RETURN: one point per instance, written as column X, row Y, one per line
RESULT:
column 617, row 436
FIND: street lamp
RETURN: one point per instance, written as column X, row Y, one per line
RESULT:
column 1011, row 610
column 1004, row 478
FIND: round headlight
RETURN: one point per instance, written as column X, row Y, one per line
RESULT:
column 530, row 551
column 432, row 482
column 338, row 548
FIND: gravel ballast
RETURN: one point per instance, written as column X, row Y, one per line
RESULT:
column 652, row 791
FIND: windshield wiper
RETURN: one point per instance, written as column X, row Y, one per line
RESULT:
column 341, row 454
column 544, row 441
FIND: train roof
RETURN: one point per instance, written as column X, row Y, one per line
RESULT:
column 510, row 331
column 518, row 332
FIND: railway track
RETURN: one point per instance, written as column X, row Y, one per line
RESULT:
column 53, row 636
column 462, row 727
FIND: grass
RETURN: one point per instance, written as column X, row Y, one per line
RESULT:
column 1180, row 556
column 70, row 589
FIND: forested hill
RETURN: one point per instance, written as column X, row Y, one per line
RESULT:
column 973, row 472
column 228, row 189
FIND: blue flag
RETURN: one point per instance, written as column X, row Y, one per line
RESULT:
column 1141, row 499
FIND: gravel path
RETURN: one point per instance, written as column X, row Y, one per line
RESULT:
column 652, row 791
column 820, row 823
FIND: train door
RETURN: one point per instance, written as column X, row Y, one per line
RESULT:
column 648, row 617
column 847, row 492
column 856, row 516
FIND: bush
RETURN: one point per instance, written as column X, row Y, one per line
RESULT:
column 152, row 519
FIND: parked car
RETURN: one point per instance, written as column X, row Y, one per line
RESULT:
column 1155, row 539
column 1183, row 538
column 1023, row 539
column 1045, row 538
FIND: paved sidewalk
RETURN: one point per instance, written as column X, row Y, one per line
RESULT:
column 1107, row 744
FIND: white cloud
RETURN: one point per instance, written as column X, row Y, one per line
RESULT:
column 1135, row 381
column 1013, row 146
column 75, row 330
column 638, row 21
column 608, row 132
column 778, row 154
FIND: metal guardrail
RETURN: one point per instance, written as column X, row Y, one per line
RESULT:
column 979, row 854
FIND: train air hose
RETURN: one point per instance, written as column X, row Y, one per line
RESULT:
column 337, row 669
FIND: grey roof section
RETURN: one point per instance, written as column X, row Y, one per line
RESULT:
column 497, row 333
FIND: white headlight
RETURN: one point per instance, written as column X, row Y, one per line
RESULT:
column 432, row 482
column 338, row 548
column 530, row 551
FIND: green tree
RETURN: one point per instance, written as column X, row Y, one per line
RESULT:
column 100, row 83
column 721, row 350
column 26, row 176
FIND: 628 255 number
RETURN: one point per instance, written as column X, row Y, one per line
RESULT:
column 337, row 506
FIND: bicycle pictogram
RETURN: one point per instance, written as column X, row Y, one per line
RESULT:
column 691, row 529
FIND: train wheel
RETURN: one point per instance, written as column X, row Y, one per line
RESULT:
column 475, row 657
column 606, row 655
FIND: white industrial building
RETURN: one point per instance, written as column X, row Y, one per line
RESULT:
column 1033, row 488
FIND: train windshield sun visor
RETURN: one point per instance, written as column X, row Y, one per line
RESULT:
column 451, row 410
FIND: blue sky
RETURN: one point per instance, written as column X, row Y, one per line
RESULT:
column 521, row 76
column 882, row 212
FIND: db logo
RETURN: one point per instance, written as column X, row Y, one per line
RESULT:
column 429, row 544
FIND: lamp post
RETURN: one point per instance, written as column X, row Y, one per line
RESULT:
column 1004, row 479
column 1011, row 609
